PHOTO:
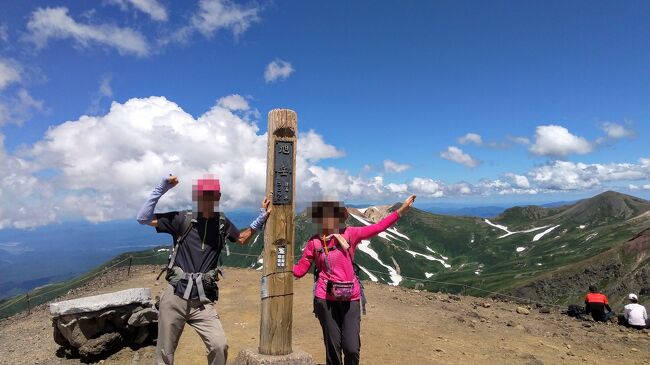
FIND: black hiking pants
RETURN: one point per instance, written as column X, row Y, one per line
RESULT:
column 341, row 323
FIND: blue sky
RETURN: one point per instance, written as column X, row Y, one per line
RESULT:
column 558, row 93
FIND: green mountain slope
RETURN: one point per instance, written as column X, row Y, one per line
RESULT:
column 511, row 252
column 544, row 254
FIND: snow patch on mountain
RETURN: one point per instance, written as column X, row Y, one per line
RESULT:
column 443, row 257
column 394, row 230
column 370, row 275
column 430, row 258
column 395, row 277
column 508, row 232
column 540, row 235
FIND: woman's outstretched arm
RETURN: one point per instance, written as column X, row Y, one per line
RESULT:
column 374, row 229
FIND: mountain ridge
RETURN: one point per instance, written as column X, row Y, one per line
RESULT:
column 501, row 255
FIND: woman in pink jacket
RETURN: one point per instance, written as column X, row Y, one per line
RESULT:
column 337, row 290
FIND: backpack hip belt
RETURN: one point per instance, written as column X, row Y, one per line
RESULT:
column 198, row 279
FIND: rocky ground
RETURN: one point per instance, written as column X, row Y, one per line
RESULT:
column 402, row 327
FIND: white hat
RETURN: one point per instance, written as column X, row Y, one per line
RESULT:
column 632, row 297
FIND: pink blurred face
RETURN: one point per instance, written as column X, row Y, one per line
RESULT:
column 207, row 193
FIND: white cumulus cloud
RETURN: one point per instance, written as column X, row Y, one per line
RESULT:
column 104, row 92
column 16, row 103
column 55, row 23
column 213, row 16
column 471, row 138
column 557, row 141
column 564, row 175
column 617, row 131
column 234, row 102
column 10, row 72
column 313, row 148
column 427, row 187
column 153, row 8
column 394, row 167
column 457, row 155
column 103, row 167
column 278, row 70
column 397, row 188
column 519, row 181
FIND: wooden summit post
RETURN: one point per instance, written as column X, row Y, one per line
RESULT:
column 277, row 275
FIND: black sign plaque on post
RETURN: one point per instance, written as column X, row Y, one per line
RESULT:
column 282, row 173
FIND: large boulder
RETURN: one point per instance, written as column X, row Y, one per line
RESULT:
column 98, row 325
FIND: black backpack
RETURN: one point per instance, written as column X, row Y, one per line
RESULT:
column 188, row 222
column 575, row 310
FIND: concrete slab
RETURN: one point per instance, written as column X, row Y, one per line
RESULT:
column 102, row 301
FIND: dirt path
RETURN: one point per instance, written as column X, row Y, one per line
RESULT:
column 402, row 327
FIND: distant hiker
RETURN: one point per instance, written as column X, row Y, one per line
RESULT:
column 337, row 289
column 635, row 314
column 192, row 270
column 596, row 303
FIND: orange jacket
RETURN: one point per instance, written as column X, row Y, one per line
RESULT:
column 596, row 298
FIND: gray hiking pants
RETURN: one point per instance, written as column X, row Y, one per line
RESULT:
column 341, row 323
column 174, row 313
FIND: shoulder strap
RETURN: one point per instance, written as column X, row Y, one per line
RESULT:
column 224, row 243
column 186, row 227
column 222, row 226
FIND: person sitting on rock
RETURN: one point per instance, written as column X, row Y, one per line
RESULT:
column 635, row 314
column 597, row 305
column 192, row 270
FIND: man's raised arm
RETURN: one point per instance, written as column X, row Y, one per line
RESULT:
column 145, row 214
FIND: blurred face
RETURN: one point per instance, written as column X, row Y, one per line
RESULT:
column 206, row 193
column 329, row 217
column 208, row 201
column 330, row 223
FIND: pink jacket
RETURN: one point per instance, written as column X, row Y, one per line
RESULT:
column 340, row 260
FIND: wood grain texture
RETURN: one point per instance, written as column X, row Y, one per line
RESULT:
column 277, row 307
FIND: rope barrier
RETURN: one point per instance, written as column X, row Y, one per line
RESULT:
column 465, row 286
column 16, row 300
